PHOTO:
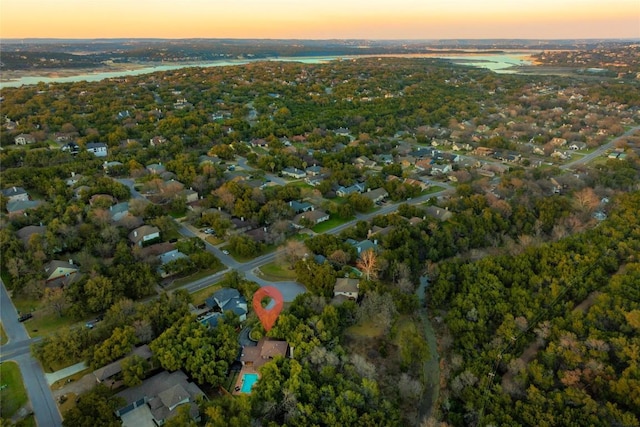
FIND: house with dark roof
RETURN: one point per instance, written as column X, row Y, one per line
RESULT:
column 25, row 233
column 313, row 217
column 438, row 213
column 119, row 211
column 108, row 373
column 144, row 234
column 254, row 357
column 363, row 245
column 345, row 191
column 19, row 207
column 158, row 398
column 377, row 195
column 299, row 207
column 14, row 194
column 228, row 299
column 294, row 173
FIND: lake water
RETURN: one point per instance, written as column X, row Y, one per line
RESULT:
column 499, row 62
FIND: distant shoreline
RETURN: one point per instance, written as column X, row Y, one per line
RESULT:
column 110, row 67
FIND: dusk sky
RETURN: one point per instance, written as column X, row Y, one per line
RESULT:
column 371, row 19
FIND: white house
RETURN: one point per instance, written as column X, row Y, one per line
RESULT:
column 99, row 149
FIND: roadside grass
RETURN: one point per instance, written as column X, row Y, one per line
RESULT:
column 13, row 395
column 44, row 321
column 331, row 223
column 214, row 240
column 193, row 277
column 277, row 272
column 432, row 189
column 3, row 335
column 201, row 295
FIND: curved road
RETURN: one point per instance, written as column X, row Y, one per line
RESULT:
column 18, row 349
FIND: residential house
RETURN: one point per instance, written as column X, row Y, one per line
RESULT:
column 314, row 181
column 294, row 173
column 20, row 207
column 314, row 170
column 14, row 194
column 377, row 195
column 99, row 149
column 346, row 191
column 227, row 299
column 438, row 213
column 347, row 287
column 71, row 147
column 25, row 233
column 437, row 169
column 363, row 245
column 364, row 162
column 578, row 145
column 60, row 273
column 157, row 141
column 156, row 168
column 119, row 211
column 73, row 179
column 24, row 139
column 241, row 225
column 144, row 235
column 169, row 256
column 107, row 166
column 299, row 207
column 189, row 195
column 214, row 160
column 385, row 159
column 158, row 398
column 258, row 235
column 254, row 357
column 313, row 217
column 416, row 183
column 107, row 374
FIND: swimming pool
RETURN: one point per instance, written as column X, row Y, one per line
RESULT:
column 248, row 380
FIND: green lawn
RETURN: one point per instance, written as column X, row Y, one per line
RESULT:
column 13, row 395
column 3, row 335
column 365, row 329
column 328, row 225
column 44, row 321
column 203, row 294
column 277, row 272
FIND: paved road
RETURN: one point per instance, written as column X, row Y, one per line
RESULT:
column 600, row 150
column 17, row 349
column 289, row 289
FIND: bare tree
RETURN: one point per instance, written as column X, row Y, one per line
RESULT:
column 294, row 251
column 56, row 299
column 368, row 264
column 339, row 257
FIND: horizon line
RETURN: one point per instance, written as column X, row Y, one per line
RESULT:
column 631, row 38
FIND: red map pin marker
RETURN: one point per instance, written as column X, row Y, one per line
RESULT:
column 267, row 316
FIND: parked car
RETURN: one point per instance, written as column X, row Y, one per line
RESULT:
column 209, row 231
column 24, row 317
column 226, row 252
